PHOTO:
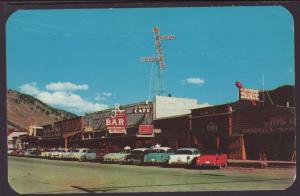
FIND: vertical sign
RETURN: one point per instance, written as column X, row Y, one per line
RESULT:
column 117, row 122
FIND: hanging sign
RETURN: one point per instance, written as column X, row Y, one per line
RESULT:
column 117, row 122
column 145, row 129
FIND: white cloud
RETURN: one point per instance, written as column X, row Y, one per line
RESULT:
column 29, row 88
column 63, row 99
column 65, row 86
column 197, row 81
column 107, row 94
column 103, row 96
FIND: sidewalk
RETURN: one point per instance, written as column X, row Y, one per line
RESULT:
column 257, row 163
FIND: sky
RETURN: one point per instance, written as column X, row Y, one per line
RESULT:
column 87, row 60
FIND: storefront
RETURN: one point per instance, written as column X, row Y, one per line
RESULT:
column 119, row 126
column 268, row 129
column 174, row 131
column 211, row 127
column 56, row 135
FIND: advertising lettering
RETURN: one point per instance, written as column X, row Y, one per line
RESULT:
column 249, row 94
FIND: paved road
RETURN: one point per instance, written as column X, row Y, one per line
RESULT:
column 34, row 175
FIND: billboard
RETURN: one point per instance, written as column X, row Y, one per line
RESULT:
column 173, row 106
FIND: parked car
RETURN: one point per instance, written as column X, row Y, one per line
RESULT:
column 47, row 153
column 136, row 156
column 212, row 159
column 78, row 153
column 67, row 155
column 184, row 156
column 158, row 156
column 90, row 155
column 57, row 154
column 116, row 157
column 31, row 152
column 16, row 152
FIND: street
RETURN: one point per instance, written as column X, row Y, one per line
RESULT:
column 35, row 175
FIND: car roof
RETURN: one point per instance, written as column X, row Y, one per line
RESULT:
column 188, row 149
column 162, row 148
column 142, row 149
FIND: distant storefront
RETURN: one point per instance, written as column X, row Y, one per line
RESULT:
column 57, row 134
column 119, row 126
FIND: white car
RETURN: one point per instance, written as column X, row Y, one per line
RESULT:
column 184, row 156
column 78, row 153
column 57, row 154
column 47, row 153
column 67, row 155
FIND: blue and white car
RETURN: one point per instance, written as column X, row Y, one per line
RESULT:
column 158, row 156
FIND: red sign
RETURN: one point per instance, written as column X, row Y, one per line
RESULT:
column 116, row 124
column 146, row 129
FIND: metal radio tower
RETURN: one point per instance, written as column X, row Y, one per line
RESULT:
column 157, row 86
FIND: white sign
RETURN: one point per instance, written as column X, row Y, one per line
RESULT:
column 249, row 94
column 172, row 106
column 117, row 130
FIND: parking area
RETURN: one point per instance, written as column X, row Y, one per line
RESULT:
column 35, row 175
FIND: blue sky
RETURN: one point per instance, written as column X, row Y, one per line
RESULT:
column 87, row 60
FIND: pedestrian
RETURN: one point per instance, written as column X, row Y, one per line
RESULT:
column 263, row 159
column 157, row 145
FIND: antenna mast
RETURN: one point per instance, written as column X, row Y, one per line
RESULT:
column 157, row 86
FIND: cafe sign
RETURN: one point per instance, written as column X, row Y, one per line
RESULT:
column 249, row 94
column 141, row 109
column 117, row 122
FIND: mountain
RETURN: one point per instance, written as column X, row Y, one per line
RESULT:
column 280, row 96
column 23, row 109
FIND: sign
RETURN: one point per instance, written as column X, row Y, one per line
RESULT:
column 117, row 122
column 88, row 129
column 149, row 59
column 157, row 130
column 167, row 37
column 141, row 109
column 249, row 94
column 146, row 129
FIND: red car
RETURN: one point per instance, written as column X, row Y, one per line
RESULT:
column 212, row 158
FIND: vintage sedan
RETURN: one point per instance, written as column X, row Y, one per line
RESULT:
column 32, row 152
column 78, row 153
column 212, row 159
column 158, row 156
column 67, row 155
column 90, row 155
column 136, row 156
column 184, row 156
column 116, row 157
column 47, row 153
column 57, row 154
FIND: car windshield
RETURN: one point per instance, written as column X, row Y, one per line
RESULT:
column 158, row 151
column 137, row 151
column 76, row 151
column 184, row 152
